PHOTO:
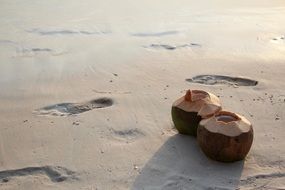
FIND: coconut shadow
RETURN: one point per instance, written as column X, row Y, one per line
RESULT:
column 180, row 164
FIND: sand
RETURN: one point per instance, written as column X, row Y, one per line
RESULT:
column 87, row 88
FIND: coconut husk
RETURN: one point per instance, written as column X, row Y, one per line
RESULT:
column 188, row 110
column 225, row 137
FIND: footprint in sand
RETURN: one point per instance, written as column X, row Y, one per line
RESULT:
column 171, row 47
column 55, row 173
column 178, row 182
column 156, row 34
column 45, row 32
column 262, row 179
column 128, row 135
column 220, row 79
column 279, row 39
column 22, row 50
column 66, row 109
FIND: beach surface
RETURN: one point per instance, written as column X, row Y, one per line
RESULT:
column 86, row 89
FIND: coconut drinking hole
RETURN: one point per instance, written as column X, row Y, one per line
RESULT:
column 226, row 117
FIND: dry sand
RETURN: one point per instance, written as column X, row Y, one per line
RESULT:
column 87, row 87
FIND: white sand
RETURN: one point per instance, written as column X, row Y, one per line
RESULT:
column 55, row 52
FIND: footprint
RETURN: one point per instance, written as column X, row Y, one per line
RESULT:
column 220, row 79
column 26, row 51
column 261, row 177
column 66, row 109
column 278, row 39
column 161, row 46
column 127, row 134
column 171, row 47
column 54, row 173
column 155, row 34
column 41, row 50
column 178, row 182
column 66, row 32
column 22, row 49
column 7, row 42
column 31, row 52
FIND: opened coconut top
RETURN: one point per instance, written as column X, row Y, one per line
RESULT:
column 227, row 123
column 204, row 103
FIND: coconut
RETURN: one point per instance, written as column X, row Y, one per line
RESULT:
column 225, row 137
column 190, row 109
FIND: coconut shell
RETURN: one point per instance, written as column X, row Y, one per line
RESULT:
column 225, row 137
column 189, row 110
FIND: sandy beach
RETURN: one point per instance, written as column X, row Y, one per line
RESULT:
column 86, row 90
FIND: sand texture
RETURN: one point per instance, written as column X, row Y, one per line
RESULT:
column 86, row 89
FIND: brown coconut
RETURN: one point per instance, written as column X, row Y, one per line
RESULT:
column 225, row 137
column 190, row 109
